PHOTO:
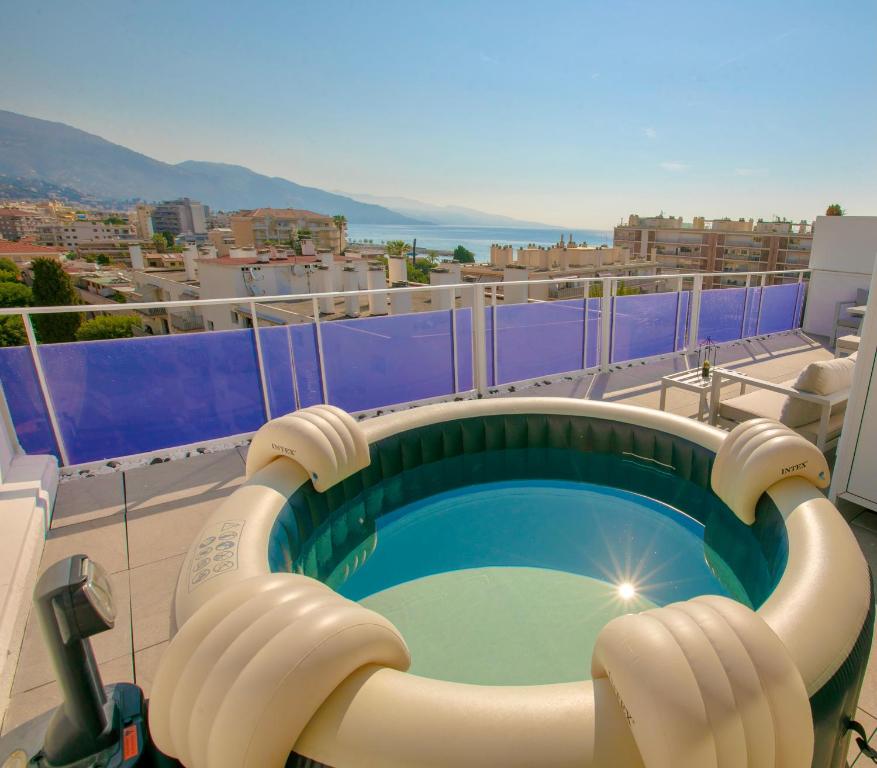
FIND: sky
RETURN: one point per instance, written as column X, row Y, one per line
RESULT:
column 574, row 113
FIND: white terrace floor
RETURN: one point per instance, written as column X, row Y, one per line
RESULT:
column 139, row 523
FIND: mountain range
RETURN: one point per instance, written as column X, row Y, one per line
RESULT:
column 65, row 162
column 444, row 214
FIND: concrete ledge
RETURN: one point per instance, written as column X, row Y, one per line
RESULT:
column 26, row 499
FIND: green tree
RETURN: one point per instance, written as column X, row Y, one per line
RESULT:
column 340, row 222
column 9, row 271
column 834, row 209
column 52, row 288
column 12, row 332
column 15, row 295
column 418, row 272
column 168, row 239
column 159, row 242
column 397, row 247
column 464, row 255
column 107, row 327
column 103, row 259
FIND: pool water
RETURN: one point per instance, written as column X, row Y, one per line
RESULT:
column 511, row 582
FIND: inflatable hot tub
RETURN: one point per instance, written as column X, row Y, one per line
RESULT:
column 518, row 582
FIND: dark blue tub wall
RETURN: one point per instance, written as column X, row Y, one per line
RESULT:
column 126, row 396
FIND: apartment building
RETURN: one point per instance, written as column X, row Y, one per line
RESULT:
column 283, row 225
column 141, row 218
column 111, row 235
column 717, row 245
column 180, row 217
column 221, row 238
column 16, row 223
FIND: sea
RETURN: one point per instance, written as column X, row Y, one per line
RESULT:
column 446, row 237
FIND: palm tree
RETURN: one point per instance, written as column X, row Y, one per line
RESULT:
column 340, row 222
column 397, row 247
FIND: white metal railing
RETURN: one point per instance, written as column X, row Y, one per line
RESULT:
column 475, row 295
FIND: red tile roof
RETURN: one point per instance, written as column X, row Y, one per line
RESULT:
column 15, row 212
column 11, row 246
column 284, row 213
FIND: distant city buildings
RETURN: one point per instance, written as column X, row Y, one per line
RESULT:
column 141, row 218
column 89, row 236
column 717, row 245
column 16, row 223
column 180, row 217
column 283, row 226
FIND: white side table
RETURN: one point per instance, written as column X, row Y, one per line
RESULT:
column 692, row 380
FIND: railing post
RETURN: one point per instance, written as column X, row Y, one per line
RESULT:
column 607, row 318
column 316, row 309
column 454, row 364
column 44, row 388
column 694, row 324
column 679, row 285
column 745, row 306
column 760, row 304
column 494, row 334
column 798, row 319
column 479, row 341
column 262, row 378
column 587, row 289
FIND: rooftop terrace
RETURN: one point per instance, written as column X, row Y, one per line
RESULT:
column 153, row 432
column 139, row 522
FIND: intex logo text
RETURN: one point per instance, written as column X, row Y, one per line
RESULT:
column 793, row 468
column 283, row 449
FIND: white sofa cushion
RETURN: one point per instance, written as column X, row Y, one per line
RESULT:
column 825, row 377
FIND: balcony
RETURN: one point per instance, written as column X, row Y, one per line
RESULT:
column 186, row 321
column 138, row 513
column 98, row 401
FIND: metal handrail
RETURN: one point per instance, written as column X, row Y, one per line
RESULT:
column 388, row 289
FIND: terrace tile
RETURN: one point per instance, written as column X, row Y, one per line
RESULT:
column 89, row 498
column 103, row 539
column 152, row 589
column 167, row 503
column 146, row 665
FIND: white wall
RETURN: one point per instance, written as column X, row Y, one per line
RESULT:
column 842, row 259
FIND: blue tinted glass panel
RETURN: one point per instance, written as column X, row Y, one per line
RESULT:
column 25, row 401
column 779, row 307
column 721, row 314
column 285, row 349
column 542, row 339
column 647, row 324
column 124, row 396
column 464, row 350
column 377, row 361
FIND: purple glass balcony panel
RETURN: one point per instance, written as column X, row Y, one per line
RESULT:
column 25, row 401
column 465, row 351
column 377, row 361
column 780, row 307
column 126, row 396
column 721, row 314
column 284, row 349
column 543, row 339
column 645, row 325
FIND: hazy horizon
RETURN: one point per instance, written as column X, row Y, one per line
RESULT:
column 570, row 113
